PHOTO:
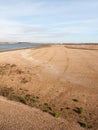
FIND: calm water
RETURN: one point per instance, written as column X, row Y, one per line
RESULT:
column 17, row 46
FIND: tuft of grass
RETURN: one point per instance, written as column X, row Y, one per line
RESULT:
column 79, row 110
column 49, row 107
column 35, row 99
column 75, row 100
column 45, row 110
column 21, row 99
column 6, row 92
column 9, row 93
column 82, row 124
column 57, row 115
column 46, row 104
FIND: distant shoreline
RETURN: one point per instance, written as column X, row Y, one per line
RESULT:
column 16, row 49
column 11, row 43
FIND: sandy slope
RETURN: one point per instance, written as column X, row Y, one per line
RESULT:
column 57, row 75
column 14, row 116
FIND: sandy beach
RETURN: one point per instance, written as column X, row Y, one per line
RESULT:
column 56, row 88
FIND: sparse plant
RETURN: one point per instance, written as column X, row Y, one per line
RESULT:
column 79, row 110
column 49, row 107
column 35, row 99
column 21, row 99
column 82, row 124
column 57, row 115
column 45, row 110
column 46, row 104
column 75, row 100
column 6, row 92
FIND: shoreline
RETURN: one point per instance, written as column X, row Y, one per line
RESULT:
column 69, row 46
column 35, row 47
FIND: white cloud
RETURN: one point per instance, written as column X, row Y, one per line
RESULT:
column 57, row 25
column 12, row 31
column 83, row 22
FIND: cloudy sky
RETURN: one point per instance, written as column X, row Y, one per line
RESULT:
column 49, row 20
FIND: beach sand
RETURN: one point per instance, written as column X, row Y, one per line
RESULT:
column 56, row 84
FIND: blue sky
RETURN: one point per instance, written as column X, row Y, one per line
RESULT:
column 49, row 20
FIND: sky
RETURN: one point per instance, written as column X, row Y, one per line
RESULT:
column 49, row 21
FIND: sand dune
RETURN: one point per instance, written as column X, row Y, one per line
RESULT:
column 56, row 79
